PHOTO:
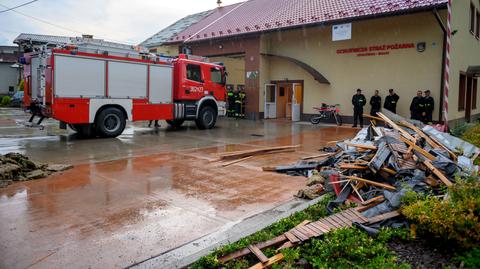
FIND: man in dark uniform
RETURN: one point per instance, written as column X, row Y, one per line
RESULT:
column 391, row 101
column 231, row 103
column 429, row 107
column 376, row 103
column 243, row 98
column 238, row 103
column 417, row 107
column 358, row 102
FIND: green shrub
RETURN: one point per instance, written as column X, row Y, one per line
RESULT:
column 350, row 248
column 470, row 259
column 459, row 129
column 472, row 135
column 455, row 218
column 6, row 100
column 313, row 213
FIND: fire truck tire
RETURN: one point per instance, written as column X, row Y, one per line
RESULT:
column 84, row 130
column 206, row 118
column 175, row 123
column 73, row 127
column 110, row 122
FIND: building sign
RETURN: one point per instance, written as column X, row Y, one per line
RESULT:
column 342, row 32
column 376, row 50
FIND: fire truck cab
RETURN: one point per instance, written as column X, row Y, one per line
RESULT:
column 96, row 92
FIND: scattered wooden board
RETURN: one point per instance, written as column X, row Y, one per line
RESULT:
column 438, row 173
column 381, row 185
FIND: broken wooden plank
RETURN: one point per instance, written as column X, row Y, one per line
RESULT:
column 352, row 216
column 333, row 223
column 425, row 153
column 311, row 226
column 395, row 126
column 383, row 217
column 345, row 218
column 363, row 218
column 258, row 253
column 237, row 161
column 377, row 184
column 438, row 173
column 388, row 170
column 340, row 220
column 420, row 133
column 270, row 262
column 245, row 153
column 361, row 146
column 292, row 238
column 322, row 226
column 299, row 235
column 242, row 252
column 318, row 156
column 352, row 166
column 380, row 198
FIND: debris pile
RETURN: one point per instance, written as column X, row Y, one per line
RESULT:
column 374, row 170
column 17, row 167
column 381, row 164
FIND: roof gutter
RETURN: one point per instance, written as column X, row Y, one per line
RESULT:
column 444, row 55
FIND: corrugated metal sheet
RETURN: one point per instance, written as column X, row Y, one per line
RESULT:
column 62, row 40
column 264, row 15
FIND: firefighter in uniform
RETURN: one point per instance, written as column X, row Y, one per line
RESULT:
column 429, row 107
column 358, row 102
column 238, row 103
column 231, row 103
column 243, row 98
column 417, row 107
column 391, row 101
column 376, row 103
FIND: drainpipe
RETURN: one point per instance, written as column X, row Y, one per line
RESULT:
column 444, row 55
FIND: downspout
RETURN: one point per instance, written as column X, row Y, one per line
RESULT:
column 444, row 55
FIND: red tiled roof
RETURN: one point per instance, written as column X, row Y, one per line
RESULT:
column 264, row 15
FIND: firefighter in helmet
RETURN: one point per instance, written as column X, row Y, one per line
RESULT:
column 238, row 103
column 231, row 102
column 243, row 98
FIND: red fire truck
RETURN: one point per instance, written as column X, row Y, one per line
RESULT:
column 95, row 93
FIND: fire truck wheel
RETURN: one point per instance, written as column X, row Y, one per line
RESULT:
column 206, row 118
column 110, row 122
column 175, row 123
column 73, row 127
column 84, row 130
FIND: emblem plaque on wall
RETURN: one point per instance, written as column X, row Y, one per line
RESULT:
column 421, row 46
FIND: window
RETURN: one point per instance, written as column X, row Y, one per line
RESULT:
column 474, row 94
column 282, row 92
column 194, row 72
column 472, row 18
column 461, row 92
column 216, row 75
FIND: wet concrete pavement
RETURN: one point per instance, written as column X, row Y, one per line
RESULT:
column 141, row 194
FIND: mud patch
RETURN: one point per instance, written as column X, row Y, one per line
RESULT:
column 422, row 254
column 17, row 167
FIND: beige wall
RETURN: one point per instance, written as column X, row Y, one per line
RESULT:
column 405, row 70
column 168, row 50
column 235, row 68
column 465, row 51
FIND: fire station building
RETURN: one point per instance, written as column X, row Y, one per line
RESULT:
column 291, row 56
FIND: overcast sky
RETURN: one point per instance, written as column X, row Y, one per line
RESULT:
column 126, row 21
